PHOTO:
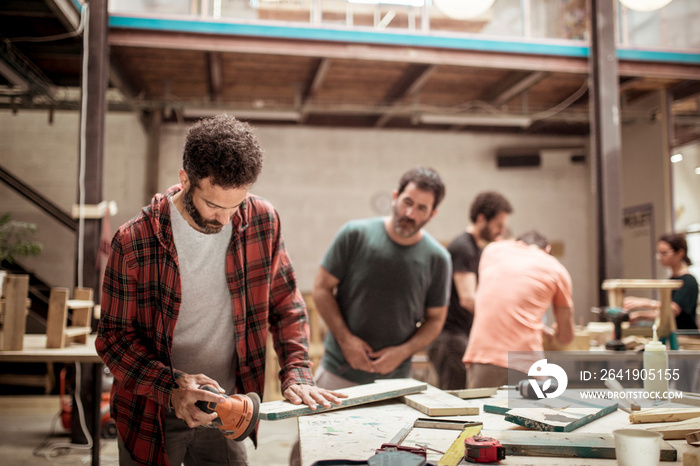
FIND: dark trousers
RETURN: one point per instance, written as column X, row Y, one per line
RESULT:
column 204, row 446
column 445, row 354
column 488, row 375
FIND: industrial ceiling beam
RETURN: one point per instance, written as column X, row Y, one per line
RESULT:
column 408, row 85
column 66, row 12
column 518, row 87
column 122, row 37
column 317, row 81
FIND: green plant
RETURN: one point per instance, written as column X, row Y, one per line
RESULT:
column 17, row 239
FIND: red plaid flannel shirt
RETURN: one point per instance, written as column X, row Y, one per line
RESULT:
column 140, row 303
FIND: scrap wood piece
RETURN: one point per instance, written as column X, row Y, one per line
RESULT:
column 677, row 430
column 357, row 395
column 664, row 415
column 557, row 420
column 564, row 444
column 435, row 402
column 693, row 438
column 470, row 393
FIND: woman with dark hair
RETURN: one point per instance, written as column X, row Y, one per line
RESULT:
column 672, row 252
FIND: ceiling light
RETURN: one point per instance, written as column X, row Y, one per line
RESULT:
column 645, row 5
column 697, row 170
column 675, row 158
column 475, row 120
column 463, row 9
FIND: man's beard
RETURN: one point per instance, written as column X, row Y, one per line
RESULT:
column 486, row 235
column 404, row 226
column 208, row 226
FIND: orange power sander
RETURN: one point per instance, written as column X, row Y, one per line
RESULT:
column 237, row 416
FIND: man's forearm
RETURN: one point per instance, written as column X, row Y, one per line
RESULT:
column 425, row 335
column 329, row 310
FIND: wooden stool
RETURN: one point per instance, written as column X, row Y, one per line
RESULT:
column 58, row 333
column 15, row 305
column 667, row 321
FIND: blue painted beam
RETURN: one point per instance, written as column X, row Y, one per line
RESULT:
column 403, row 39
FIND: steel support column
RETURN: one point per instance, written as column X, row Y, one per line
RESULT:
column 606, row 140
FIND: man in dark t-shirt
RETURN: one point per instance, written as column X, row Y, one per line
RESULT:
column 488, row 217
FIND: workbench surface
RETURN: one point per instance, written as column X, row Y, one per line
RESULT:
column 355, row 433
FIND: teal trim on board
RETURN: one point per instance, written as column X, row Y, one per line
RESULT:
column 387, row 38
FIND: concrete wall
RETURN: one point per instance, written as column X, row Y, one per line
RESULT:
column 318, row 179
column 45, row 156
column 646, row 182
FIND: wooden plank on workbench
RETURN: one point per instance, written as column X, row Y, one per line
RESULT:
column 470, row 393
column 435, row 402
column 677, row 430
column 557, row 420
column 664, row 415
column 360, row 394
column 564, row 444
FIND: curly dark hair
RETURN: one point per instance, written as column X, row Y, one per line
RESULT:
column 677, row 242
column 534, row 237
column 426, row 179
column 224, row 149
column 490, row 204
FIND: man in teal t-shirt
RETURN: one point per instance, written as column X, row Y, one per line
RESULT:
column 383, row 288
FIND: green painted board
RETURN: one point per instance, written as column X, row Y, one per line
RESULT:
column 557, row 420
column 564, row 445
column 496, row 407
column 360, row 394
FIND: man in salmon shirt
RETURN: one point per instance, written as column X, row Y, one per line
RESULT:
column 518, row 281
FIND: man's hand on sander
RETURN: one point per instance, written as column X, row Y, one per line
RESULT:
column 184, row 398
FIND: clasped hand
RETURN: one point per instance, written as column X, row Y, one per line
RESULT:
column 360, row 355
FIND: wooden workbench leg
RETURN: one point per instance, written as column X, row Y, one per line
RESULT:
column 57, row 318
column 616, row 297
column 667, row 321
column 14, row 327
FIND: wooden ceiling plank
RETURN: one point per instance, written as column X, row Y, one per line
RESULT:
column 519, row 87
column 319, row 78
column 685, row 89
column 409, row 84
column 408, row 81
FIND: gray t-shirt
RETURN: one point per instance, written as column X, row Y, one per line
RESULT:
column 203, row 342
column 384, row 289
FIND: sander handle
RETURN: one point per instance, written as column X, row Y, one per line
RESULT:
column 207, row 406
